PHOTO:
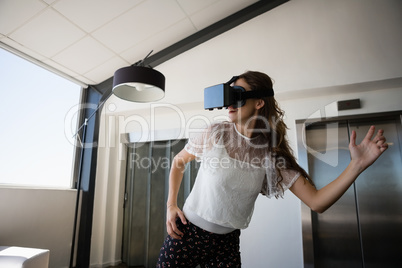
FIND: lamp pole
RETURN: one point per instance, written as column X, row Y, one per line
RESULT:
column 127, row 83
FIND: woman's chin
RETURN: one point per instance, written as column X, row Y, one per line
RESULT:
column 232, row 119
column 233, row 116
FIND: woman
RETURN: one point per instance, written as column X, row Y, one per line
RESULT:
column 240, row 159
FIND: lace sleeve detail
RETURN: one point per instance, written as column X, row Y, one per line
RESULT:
column 270, row 185
column 200, row 141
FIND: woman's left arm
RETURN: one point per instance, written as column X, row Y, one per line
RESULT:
column 362, row 156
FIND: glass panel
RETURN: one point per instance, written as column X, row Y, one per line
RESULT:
column 38, row 115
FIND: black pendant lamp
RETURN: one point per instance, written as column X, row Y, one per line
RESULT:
column 138, row 83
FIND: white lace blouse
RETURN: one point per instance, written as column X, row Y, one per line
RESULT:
column 234, row 170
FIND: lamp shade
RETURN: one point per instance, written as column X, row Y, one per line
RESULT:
column 139, row 84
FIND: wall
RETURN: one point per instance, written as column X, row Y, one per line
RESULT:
column 275, row 230
column 318, row 52
column 38, row 218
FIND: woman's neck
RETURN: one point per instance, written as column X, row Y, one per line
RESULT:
column 247, row 131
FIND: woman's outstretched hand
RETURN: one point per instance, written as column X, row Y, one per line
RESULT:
column 367, row 152
column 173, row 212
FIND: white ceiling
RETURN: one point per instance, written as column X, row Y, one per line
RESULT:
column 89, row 40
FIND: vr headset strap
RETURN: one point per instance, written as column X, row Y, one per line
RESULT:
column 256, row 94
column 233, row 79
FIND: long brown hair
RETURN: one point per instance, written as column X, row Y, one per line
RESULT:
column 276, row 134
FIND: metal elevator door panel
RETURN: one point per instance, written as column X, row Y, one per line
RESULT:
column 335, row 232
column 379, row 195
column 364, row 228
column 147, row 185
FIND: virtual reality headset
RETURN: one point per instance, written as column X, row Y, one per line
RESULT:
column 223, row 95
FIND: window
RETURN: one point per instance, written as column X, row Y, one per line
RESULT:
column 37, row 117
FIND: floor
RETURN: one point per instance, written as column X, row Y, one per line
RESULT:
column 122, row 265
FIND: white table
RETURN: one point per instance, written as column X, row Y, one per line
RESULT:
column 16, row 257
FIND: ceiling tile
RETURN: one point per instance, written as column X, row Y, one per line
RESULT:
column 218, row 11
column 91, row 52
column 138, row 24
column 48, row 33
column 91, row 14
column 22, row 49
column 159, row 41
column 106, row 70
column 49, row 1
column 13, row 16
column 81, row 38
column 193, row 6
column 85, row 80
column 60, row 68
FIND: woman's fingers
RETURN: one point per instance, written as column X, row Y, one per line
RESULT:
column 182, row 217
column 173, row 231
column 172, row 214
column 379, row 138
column 352, row 142
column 370, row 133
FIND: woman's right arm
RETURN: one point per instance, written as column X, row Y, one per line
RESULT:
column 175, row 178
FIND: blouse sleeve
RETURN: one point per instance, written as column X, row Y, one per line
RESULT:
column 198, row 143
column 270, row 186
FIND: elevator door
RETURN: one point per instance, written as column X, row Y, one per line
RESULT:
column 364, row 228
column 147, row 184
